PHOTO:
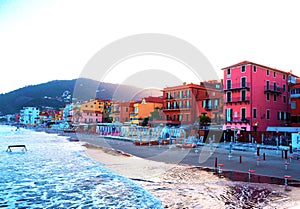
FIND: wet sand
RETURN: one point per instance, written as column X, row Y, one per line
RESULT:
column 180, row 186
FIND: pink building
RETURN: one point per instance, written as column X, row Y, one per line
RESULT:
column 255, row 97
column 89, row 117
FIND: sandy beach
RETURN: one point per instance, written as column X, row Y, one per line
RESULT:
column 180, row 186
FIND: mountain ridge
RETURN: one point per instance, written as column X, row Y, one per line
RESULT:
column 57, row 93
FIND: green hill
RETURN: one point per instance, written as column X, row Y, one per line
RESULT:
column 57, row 93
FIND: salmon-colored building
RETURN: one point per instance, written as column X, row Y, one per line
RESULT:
column 120, row 111
column 255, row 97
column 211, row 104
column 184, row 104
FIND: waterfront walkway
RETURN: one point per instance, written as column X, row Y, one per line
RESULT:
column 242, row 158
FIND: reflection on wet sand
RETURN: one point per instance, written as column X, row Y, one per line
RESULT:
column 179, row 186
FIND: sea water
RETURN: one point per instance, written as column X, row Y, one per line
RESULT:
column 53, row 173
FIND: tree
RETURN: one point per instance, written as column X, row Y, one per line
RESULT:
column 204, row 120
column 145, row 121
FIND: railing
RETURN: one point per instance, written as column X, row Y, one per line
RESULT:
column 237, row 86
column 238, row 99
column 273, row 89
column 238, row 120
column 175, row 108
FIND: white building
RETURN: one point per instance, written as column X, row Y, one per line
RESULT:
column 29, row 116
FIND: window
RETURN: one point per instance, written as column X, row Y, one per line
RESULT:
column 283, row 87
column 204, row 103
column 228, row 114
column 126, row 109
column 228, row 71
column 243, row 82
column 169, row 95
column 180, row 117
column 228, row 86
column 254, row 113
column 274, row 74
column 274, row 86
column 275, row 97
column 169, row 105
column 180, row 94
column 180, row 104
column 186, row 117
column 188, row 93
column 278, row 115
column 188, row 104
column 216, row 103
column 243, row 68
column 268, row 96
column 267, row 85
column 293, row 105
column 268, row 114
column 243, row 114
column 243, row 95
column 283, row 77
column 284, row 99
column 228, row 99
column 268, row 72
column 174, row 105
column 174, row 94
column 174, row 117
column 254, row 68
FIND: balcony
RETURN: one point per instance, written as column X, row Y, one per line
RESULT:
column 238, row 120
column 238, row 100
column 237, row 87
column 175, row 108
column 273, row 89
column 210, row 108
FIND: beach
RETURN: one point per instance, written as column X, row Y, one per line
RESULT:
column 182, row 186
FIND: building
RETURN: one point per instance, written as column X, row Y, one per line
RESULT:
column 143, row 109
column 91, row 111
column 90, row 117
column 184, row 104
column 211, row 104
column 295, row 104
column 255, row 97
column 120, row 111
column 29, row 116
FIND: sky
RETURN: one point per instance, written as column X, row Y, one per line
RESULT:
column 42, row 41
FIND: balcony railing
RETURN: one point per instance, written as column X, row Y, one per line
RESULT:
column 237, row 86
column 238, row 120
column 238, row 99
column 175, row 108
column 273, row 89
column 177, row 97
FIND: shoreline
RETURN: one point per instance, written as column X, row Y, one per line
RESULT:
column 183, row 186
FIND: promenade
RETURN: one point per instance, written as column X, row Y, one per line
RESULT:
column 242, row 158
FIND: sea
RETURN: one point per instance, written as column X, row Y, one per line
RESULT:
column 54, row 173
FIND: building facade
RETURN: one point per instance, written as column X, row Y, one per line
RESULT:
column 295, row 104
column 143, row 109
column 29, row 116
column 120, row 111
column 211, row 104
column 255, row 97
column 185, row 103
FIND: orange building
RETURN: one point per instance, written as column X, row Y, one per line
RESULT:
column 143, row 108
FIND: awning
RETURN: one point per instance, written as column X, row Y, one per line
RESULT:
column 283, row 129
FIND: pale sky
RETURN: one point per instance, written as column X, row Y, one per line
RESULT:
column 53, row 40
